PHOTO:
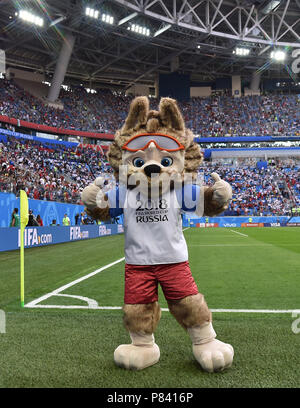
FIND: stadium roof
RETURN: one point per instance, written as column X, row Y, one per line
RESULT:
column 196, row 37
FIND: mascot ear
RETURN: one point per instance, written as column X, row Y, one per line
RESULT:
column 170, row 114
column 138, row 113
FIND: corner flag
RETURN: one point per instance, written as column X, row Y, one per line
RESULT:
column 23, row 223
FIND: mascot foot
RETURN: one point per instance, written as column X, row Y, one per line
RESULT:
column 136, row 357
column 213, row 355
column 142, row 353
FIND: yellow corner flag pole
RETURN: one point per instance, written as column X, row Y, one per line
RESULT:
column 23, row 223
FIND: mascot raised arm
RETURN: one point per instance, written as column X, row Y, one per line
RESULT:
column 155, row 162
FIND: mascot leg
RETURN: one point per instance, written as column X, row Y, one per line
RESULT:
column 194, row 316
column 141, row 321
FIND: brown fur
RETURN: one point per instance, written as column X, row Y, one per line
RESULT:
column 170, row 114
column 141, row 318
column 152, row 125
column 211, row 207
column 168, row 120
column 97, row 213
column 193, row 158
column 190, row 311
column 114, row 157
column 137, row 114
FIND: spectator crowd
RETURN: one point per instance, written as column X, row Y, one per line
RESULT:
column 48, row 172
column 105, row 110
column 273, row 190
column 57, row 173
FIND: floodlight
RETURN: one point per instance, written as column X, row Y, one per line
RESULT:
column 106, row 18
column 91, row 12
column 278, row 55
column 29, row 17
column 139, row 29
column 241, row 51
column 92, row 91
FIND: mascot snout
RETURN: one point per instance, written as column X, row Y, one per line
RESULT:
column 152, row 169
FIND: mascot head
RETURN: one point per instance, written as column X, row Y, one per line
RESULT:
column 154, row 145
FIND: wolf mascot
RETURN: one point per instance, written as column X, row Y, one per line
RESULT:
column 152, row 155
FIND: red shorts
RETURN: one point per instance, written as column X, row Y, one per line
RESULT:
column 141, row 282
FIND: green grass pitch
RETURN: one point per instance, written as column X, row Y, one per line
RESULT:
column 73, row 347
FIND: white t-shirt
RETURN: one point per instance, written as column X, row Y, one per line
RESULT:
column 153, row 230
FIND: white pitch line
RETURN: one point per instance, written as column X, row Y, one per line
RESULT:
column 71, row 307
column 236, row 232
column 255, row 311
column 92, row 303
column 68, row 285
column 232, row 245
column 274, row 311
column 185, row 229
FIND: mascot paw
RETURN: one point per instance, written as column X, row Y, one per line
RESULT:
column 89, row 196
column 136, row 357
column 214, row 356
column 99, row 182
column 92, row 195
column 222, row 192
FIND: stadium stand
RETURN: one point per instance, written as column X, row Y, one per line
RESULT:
column 272, row 115
column 260, row 191
column 56, row 173
column 47, row 171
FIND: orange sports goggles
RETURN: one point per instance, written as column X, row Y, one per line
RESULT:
column 162, row 142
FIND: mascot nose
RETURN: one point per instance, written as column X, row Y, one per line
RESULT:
column 152, row 169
